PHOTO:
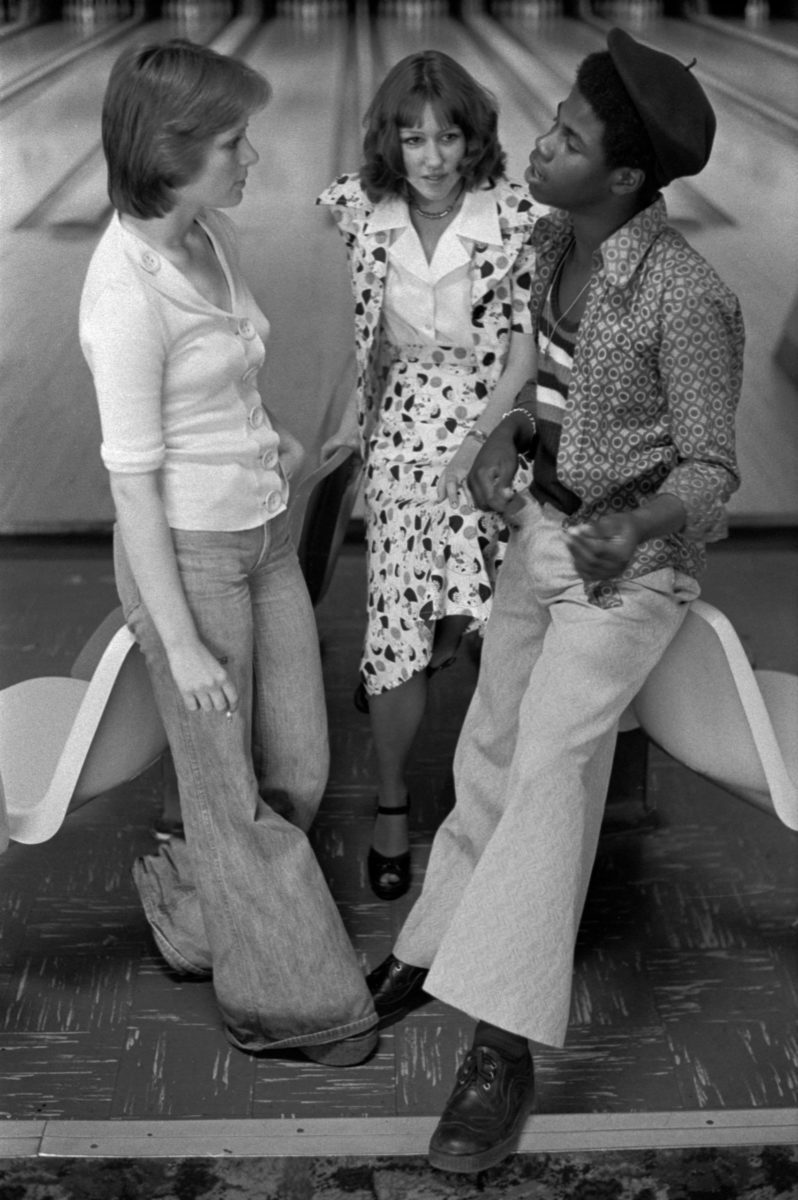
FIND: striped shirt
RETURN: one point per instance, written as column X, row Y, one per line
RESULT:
column 556, row 339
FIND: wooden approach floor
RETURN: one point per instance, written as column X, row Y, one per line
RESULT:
column 686, row 983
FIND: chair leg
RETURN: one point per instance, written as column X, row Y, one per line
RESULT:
column 628, row 804
column 170, row 819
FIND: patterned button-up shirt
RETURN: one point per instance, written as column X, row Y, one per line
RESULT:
column 656, row 380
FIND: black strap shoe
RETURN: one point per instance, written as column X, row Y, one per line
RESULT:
column 484, row 1114
column 397, row 988
column 389, row 875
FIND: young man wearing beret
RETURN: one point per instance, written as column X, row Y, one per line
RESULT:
column 629, row 425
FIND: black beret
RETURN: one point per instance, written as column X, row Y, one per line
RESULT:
column 669, row 101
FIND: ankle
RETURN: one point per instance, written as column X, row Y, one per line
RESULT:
column 393, row 801
column 391, row 834
column 511, row 1045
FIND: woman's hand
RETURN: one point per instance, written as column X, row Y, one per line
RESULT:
column 335, row 442
column 345, row 435
column 291, row 452
column 202, row 680
column 455, row 473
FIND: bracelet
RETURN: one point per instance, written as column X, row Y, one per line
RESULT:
column 479, row 434
column 526, row 413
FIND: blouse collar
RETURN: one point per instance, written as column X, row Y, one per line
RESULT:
column 478, row 219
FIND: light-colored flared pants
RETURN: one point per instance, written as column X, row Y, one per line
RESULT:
column 499, row 913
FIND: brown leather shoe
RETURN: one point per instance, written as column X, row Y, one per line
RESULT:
column 484, row 1114
column 397, row 988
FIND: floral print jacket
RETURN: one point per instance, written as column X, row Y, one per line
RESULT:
column 501, row 285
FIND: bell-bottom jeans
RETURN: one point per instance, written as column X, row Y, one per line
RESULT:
column 499, row 913
column 243, row 897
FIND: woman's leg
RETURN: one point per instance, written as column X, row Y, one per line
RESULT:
column 448, row 636
column 396, row 716
column 395, row 719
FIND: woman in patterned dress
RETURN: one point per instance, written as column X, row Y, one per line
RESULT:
column 438, row 242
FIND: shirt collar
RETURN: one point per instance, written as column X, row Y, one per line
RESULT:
column 623, row 250
column 390, row 213
column 477, row 220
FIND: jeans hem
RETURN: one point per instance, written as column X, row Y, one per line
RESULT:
column 173, row 957
column 170, row 954
column 254, row 1045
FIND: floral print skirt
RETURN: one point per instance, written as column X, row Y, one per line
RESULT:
column 427, row 558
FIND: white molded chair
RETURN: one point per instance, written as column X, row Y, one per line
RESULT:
column 706, row 707
column 319, row 513
column 65, row 740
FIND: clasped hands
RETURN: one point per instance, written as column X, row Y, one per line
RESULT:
column 600, row 550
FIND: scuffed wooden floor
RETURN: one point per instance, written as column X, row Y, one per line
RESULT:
column 686, row 980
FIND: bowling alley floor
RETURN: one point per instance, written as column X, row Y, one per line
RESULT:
column 686, row 980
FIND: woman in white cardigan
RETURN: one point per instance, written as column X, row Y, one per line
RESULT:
column 208, row 578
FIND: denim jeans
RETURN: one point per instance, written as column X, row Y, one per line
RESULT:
column 499, row 913
column 243, row 897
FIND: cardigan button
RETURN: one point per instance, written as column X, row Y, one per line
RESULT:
column 150, row 261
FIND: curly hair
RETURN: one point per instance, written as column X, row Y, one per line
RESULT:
column 429, row 78
column 163, row 105
column 625, row 140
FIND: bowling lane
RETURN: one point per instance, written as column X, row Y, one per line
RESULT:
column 32, row 47
column 293, row 255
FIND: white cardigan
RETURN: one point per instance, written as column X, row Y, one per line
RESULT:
column 177, row 381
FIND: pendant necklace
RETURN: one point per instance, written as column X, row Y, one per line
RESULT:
column 438, row 216
column 552, row 289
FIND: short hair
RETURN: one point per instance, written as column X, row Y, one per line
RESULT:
column 429, row 78
column 163, row 105
column 625, row 141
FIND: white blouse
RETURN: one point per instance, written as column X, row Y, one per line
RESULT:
column 177, row 381
column 430, row 302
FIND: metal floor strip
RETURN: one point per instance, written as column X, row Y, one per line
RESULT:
column 388, row 1136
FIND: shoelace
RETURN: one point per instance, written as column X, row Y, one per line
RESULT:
column 479, row 1066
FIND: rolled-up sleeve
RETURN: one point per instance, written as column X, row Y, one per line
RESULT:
column 701, row 363
column 124, row 348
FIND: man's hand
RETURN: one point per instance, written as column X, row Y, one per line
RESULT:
column 602, row 549
column 491, row 476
